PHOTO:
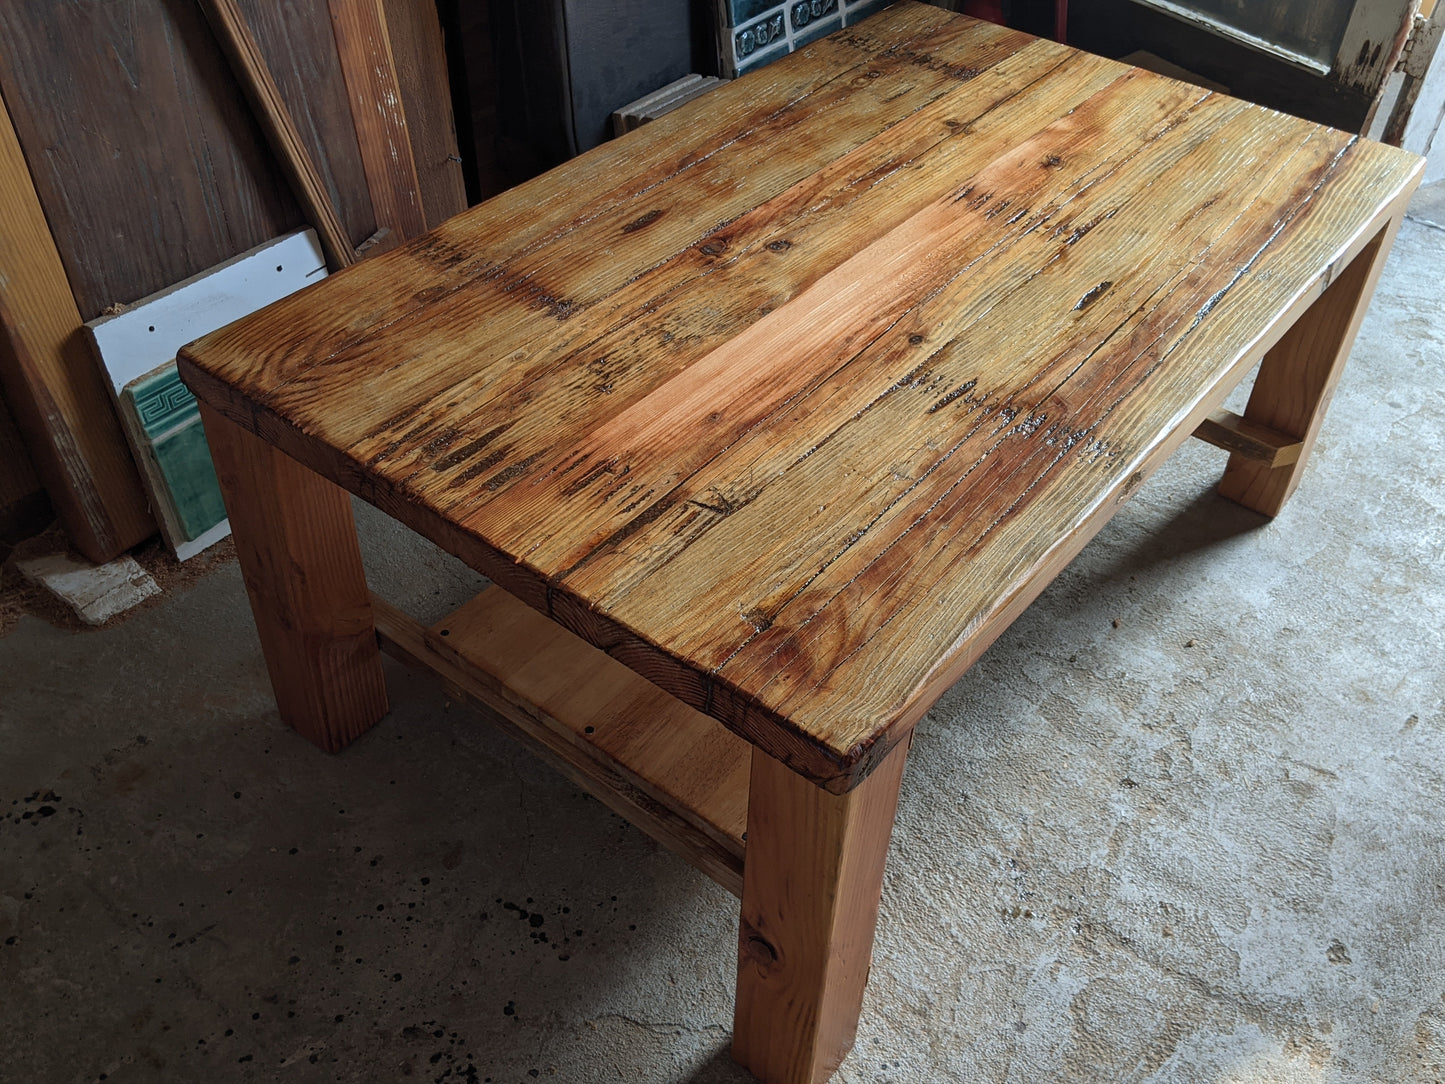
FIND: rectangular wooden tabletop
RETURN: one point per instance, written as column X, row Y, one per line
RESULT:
column 792, row 399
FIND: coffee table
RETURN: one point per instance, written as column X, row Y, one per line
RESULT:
column 767, row 418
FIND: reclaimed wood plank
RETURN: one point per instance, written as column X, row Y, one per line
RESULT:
column 678, row 775
column 811, row 889
column 296, row 544
column 363, row 42
column 799, row 462
column 1228, row 430
column 233, row 33
column 419, row 52
column 51, row 382
column 299, row 47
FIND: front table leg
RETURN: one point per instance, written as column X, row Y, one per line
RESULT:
column 1299, row 375
column 811, row 884
column 296, row 542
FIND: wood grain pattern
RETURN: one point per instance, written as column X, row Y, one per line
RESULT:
column 1268, row 447
column 145, row 157
column 476, row 252
column 52, row 383
column 296, row 544
column 795, row 435
column 249, row 66
column 419, row 52
column 299, row 47
column 377, row 110
column 811, row 888
column 675, row 773
column 1299, row 376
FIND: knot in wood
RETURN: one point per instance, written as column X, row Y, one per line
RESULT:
column 759, row 951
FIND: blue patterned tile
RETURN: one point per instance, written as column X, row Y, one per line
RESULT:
column 804, row 13
column 757, row 36
column 764, row 30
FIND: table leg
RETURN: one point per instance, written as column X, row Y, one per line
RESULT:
column 811, row 884
column 296, row 542
column 1298, row 377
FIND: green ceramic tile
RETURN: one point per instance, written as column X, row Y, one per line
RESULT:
column 171, row 435
column 161, row 401
column 185, row 462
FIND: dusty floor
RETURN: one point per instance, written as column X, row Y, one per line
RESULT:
column 1201, row 845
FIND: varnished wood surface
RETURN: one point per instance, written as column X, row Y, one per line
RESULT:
column 811, row 890
column 791, row 400
column 1240, row 436
column 296, row 544
column 676, row 774
column 1298, row 378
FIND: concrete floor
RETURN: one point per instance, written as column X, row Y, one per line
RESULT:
column 1203, row 845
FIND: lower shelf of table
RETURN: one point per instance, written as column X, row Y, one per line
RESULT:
column 677, row 774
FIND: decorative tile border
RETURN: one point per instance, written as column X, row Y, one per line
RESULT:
column 162, row 402
column 136, row 349
column 760, row 31
column 164, row 425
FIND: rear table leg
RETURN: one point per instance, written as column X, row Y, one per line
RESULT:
column 811, row 884
column 296, row 542
column 1298, row 377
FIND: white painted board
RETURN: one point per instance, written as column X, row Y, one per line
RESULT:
column 144, row 339
column 149, row 333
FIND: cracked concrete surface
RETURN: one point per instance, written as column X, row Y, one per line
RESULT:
column 1182, row 823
